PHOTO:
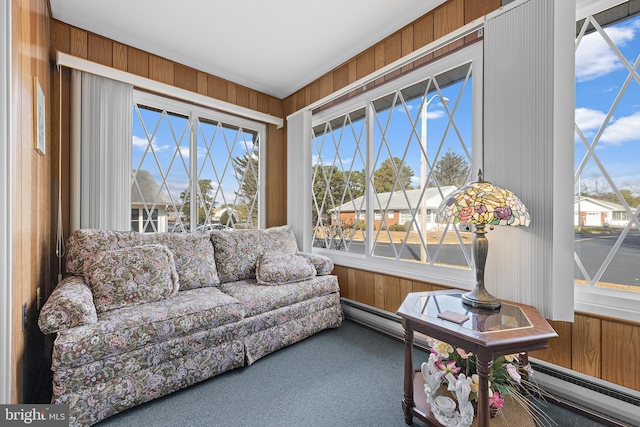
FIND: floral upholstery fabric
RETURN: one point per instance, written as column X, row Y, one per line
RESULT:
column 193, row 255
column 192, row 252
column 275, row 268
column 83, row 245
column 280, row 239
column 131, row 276
column 88, row 405
column 323, row 265
column 261, row 299
column 69, row 305
column 130, row 328
column 237, row 251
column 77, row 377
column 279, row 328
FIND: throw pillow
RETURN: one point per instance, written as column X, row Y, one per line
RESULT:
column 131, row 276
column 323, row 264
column 276, row 268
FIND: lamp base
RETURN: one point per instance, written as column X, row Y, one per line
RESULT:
column 480, row 298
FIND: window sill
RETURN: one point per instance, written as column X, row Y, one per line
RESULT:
column 614, row 303
column 459, row 278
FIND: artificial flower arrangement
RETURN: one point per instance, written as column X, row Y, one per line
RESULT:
column 456, row 368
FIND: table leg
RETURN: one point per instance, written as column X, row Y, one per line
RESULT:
column 483, row 366
column 407, row 402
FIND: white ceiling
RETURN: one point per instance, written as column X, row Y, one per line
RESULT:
column 273, row 46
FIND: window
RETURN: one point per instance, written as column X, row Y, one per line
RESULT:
column 142, row 220
column 607, row 146
column 193, row 168
column 400, row 147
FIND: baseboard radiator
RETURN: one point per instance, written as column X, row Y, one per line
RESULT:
column 605, row 402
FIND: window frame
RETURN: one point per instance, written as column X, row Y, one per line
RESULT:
column 451, row 276
column 193, row 112
column 614, row 303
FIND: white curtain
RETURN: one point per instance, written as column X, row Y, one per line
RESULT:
column 102, row 152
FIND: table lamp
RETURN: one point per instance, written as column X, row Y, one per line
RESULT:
column 481, row 203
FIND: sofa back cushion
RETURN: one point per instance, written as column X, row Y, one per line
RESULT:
column 131, row 276
column 193, row 255
column 237, row 251
column 192, row 252
column 83, row 245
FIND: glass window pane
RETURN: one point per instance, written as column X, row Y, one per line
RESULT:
column 607, row 146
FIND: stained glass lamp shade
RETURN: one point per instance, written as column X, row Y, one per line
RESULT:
column 481, row 203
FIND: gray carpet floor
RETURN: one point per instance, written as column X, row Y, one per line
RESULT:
column 350, row 376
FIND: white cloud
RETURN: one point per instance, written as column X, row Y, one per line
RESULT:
column 623, row 130
column 594, row 57
column 143, row 142
column 435, row 114
column 617, row 132
column 588, row 119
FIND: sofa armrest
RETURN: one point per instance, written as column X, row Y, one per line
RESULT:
column 323, row 264
column 69, row 305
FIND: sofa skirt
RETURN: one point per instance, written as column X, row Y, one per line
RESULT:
column 279, row 328
column 90, row 404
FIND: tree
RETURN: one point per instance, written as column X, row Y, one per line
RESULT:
column 328, row 188
column 451, row 169
column 205, row 197
column 384, row 178
column 245, row 169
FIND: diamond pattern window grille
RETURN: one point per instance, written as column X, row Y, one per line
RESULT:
column 183, row 157
column 419, row 145
column 607, row 198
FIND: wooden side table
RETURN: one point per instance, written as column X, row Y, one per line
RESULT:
column 514, row 328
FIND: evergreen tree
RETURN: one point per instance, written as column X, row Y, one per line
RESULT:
column 451, row 169
column 205, row 196
column 384, row 178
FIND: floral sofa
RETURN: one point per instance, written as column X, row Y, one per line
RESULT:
column 139, row 316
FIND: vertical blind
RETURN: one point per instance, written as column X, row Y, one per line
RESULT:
column 528, row 148
column 102, row 153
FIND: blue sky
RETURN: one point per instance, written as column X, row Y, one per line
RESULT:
column 600, row 75
column 170, row 142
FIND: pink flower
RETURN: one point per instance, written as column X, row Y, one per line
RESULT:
column 463, row 353
column 449, row 367
column 495, row 401
column 513, row 372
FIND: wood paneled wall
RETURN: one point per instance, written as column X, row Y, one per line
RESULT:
column 87, row 45
column 592, row 345
column 31, row 202
column 438, row 23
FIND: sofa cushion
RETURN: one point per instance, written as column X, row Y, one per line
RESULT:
column 193, row 255
column 131, row 276
column 322, row 264
column 192, row 252
column 69, row 305
column 85, row 244
column 260, row 299
column 237, row 251
column 275, row 268
column 130, row 328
